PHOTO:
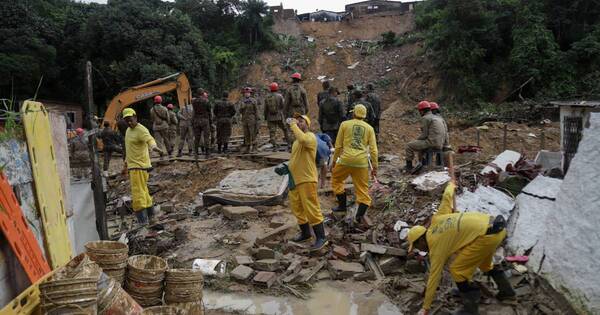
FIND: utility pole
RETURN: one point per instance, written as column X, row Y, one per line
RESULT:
column 97, row 180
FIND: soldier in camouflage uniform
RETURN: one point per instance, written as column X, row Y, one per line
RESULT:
column 375, row 101
column 186, row 129
column 325, row 93
column 224, row 113
column 249, row 112
column 173, row 124
column 201, row 122
column 274, row 115
column 360, row 98
column 331, row 114
column 296, row 99
column 160, row 125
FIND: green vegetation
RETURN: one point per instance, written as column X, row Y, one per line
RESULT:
column 129, row 42
column 501, row 50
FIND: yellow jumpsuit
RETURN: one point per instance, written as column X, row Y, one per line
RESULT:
column 304, row 199
column 137, row 144
column 354, row 141
column 461, row 234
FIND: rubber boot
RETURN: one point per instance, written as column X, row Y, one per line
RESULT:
column 409, row 166
column 470, row 300
column 141, row 216
column 150, row 212
column 321, row 241
column 304, row 234
column 505, row 289
column 180, row 153
column 360, row 212
column 342, row 203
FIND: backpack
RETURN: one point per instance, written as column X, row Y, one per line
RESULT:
column 271, row 103
column 296, row 93
column 330, row 112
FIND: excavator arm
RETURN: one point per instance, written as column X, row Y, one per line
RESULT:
column 177, row 81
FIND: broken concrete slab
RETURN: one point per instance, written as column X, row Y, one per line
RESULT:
column 373, row 248
column 486, row 199
column 277, row 222
column 306, row 276
column 343, row 270
column 394, row 251
column 264, row 253
column 235, row 213
column 242, row 273
column 217, row 208
column 244, row 260
column 265, row 278
column 414, row 266
column 431, row 181
column 390, row 265
column 274, row 233
column 267, row 265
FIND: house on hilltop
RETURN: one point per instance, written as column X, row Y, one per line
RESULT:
column 362, row 8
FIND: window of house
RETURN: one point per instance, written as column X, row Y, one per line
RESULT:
column 375, row 7
column 370, row 7
column 276, row 10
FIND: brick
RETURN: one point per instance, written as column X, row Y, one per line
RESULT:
column 390, row 265
column 355, row 249
column 215, row 208
column 364, row 276
column 343, row 270
column 358, row 237
column 295, row 267
column 341, row 252
column 242, row 273
column 236, row 213
column 273, row 234
column 264, row 253
column 267, row 265
column 375, row 249
column 277, row 222
column 394, row 251
column 244, row 260
column 265, row 278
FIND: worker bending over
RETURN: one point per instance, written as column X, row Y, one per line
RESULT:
column 354, row 142
column 138, row 142
column 473, row 238
column 304, row 199
column 432, row 135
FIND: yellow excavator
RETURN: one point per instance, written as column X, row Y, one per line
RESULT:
column 175, row 82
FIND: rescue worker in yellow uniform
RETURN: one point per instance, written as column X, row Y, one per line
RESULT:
column 304, row 199
column 472, row 237
column 160, row 124
column 355, row 152
column 249, row 111
column 274, row 115
column 433, row 135
column 138, row 142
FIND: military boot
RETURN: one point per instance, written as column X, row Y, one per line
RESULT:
column 180, row 153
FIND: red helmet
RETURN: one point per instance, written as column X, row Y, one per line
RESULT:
column 79, row 131
column 297, row 75
column 247, row 90
column 157, row 99
column 170, row 106
column 274, row 87
column 205, row 95
column 434, row 105
column 423, row 105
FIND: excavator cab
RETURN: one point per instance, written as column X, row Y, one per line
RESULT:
column 133, row 96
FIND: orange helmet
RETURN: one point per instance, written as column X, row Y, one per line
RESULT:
column 274, row 87
column 434, row 105
column 157, row 99
column 170, row 106
column 247, row 90
column 296, row 75
column 423, row 105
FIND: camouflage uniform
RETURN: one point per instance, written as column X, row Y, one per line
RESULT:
column 173, row 125
column 296, row 100
column 274, row 117
column 224, row 112
column 249, row 111
column 201, row 123
column 432, row 136
column 160, row 127
column 375, row 101
column 331, row 115
column 186, row 129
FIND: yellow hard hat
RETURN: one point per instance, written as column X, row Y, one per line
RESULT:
column 128, row 112
column 305, row 117
column 413, row 234
column 360, row 111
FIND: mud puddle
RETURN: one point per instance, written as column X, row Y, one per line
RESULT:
column 328, row 297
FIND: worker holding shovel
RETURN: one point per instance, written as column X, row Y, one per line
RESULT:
column 472, row 238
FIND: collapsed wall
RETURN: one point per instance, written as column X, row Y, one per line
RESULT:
column 564, row 233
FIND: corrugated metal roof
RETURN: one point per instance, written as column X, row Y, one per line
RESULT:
column 576, row 103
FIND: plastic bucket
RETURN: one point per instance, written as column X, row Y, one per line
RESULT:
column 145, row 276
column 113, row 300
column 164, row 310
column 69, row 296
